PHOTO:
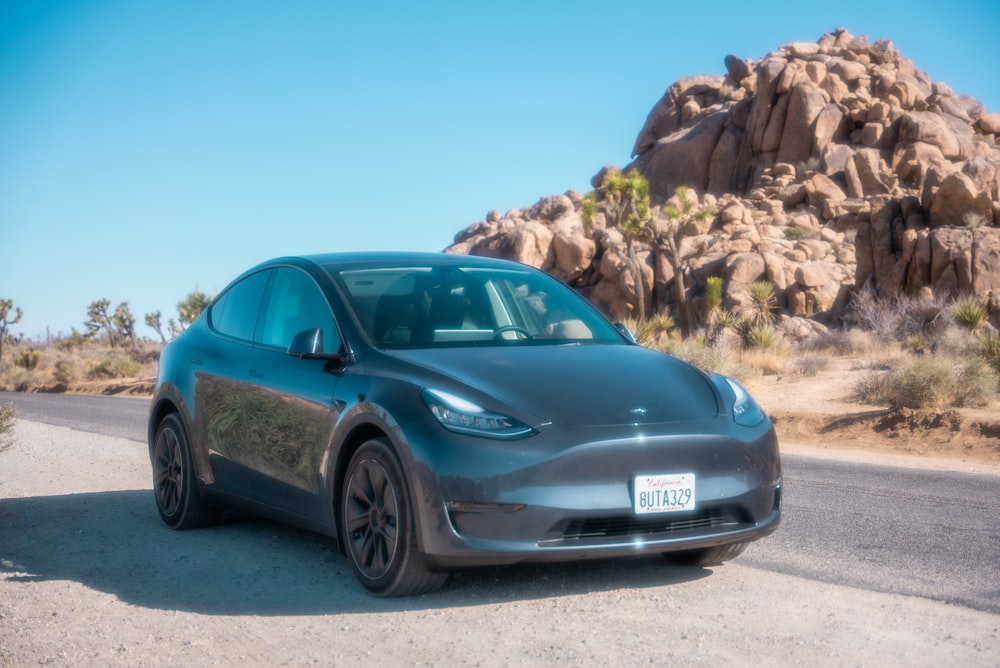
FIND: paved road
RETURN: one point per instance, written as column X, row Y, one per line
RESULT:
column 931, row 534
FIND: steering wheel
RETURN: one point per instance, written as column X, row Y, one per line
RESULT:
column 512, row 328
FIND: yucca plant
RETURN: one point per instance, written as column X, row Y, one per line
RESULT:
column 652, row 332
column 763, row 302
column 969, row 312
column 717, row 319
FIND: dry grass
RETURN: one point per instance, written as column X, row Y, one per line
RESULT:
column 64, row 363
column 8, row 420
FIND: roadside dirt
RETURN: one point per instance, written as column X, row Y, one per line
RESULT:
column 89, row 576
column 819, row 412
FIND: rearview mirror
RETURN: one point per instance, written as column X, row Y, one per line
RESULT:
column 308, row 344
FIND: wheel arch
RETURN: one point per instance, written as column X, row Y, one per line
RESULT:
column 358, row 436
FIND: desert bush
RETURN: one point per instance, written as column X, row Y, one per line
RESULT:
column 711, row 358
column 770, row 361
column 969, row 312
column 114, row 366
column 930, row 382
column 844, row 342
column 652, row 332
column 64, row 372
column 16, row 379
column 795, row 233
column 873, row 387
column 976, row 384
column 991, row 350
column 898, row 317
column 28, row 359
column 8, row 419
column 806, row 365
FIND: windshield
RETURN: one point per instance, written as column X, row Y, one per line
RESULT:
column 424, row 307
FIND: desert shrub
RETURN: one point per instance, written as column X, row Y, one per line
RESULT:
column 16, row 379
column 968, row 312
column 64, row 372
column 991, row 350
column 114, row 366
column 652, row 332
column 844, row 342
column 28, row 359
column 930, row 382
column 73, row 340
column 924, row 383
column 769, row 361
column 806, row 365
column 898, row 317
column 711, row 358
column 8, row 419
column 794, row 233
column 755, row 334
column 976, row 384
column 872, row 387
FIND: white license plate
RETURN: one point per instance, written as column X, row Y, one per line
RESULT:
column 668, row 493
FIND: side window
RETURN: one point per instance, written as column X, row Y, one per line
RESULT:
column 235, row 312
column 297, row 304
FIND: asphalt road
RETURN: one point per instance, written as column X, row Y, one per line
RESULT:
column 924, row 533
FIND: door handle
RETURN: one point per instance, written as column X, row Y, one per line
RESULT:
column 256, row 374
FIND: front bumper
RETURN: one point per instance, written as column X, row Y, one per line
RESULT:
column 565, row 496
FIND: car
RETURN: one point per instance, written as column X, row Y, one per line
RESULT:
column 432, row 412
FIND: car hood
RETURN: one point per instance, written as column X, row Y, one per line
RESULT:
column 587, row 385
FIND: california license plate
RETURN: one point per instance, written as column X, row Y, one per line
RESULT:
column 667, row 493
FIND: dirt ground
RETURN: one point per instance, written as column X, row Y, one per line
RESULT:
column 819, row 412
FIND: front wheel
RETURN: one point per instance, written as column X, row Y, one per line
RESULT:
column 175, row 485
column 707, row 555
column 378, row 527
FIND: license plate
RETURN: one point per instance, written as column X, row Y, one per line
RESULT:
column 669, row 493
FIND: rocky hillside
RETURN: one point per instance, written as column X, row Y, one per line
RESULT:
column 826, row 167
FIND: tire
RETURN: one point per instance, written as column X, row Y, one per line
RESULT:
column 378, row 528
column 707, row 555
column 175, row 486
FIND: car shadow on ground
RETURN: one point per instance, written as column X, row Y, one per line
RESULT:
column 114, row 542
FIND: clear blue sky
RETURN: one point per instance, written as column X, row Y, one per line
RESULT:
column 151, row 147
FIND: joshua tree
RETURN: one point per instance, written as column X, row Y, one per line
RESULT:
column 9, row 315
column 118, row 326
column 154, row 320
column 98, row 319
column 191, row 307
column 667, row 233
column 124, row 322
column 625, row 198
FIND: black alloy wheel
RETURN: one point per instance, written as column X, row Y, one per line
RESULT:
column 174, row 484
column 378, row 526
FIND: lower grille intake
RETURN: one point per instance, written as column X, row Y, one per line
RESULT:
column 629, row 527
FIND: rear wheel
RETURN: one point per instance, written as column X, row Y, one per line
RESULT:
column 378, row 526
column 175, row 485
column 707, row 555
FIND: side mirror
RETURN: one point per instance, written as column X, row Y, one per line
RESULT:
column 308, row 344
column 626, row 332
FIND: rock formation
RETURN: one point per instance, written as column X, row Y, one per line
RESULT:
column 828, row 167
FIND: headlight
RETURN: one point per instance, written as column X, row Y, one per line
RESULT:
column 466, row 417
column 746, row 412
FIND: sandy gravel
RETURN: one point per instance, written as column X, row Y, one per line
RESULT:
column 89, row 576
